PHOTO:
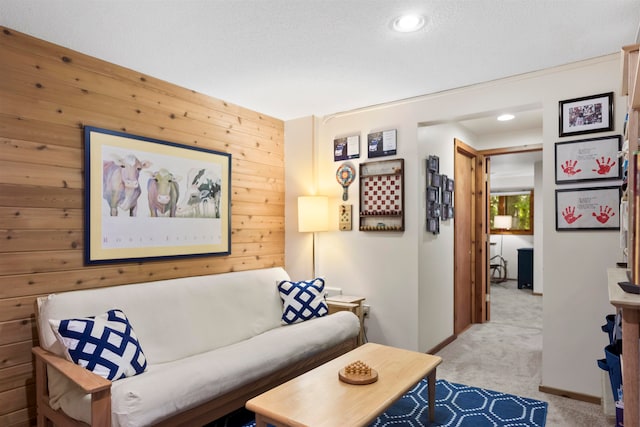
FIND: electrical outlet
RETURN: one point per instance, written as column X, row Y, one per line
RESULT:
column 366, row 308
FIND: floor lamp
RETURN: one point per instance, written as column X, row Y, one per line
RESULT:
column 313, row 217
column 502, row 222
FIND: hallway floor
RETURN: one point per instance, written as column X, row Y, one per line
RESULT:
column 505, row 355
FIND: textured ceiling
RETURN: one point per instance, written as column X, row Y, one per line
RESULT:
column 294, row 58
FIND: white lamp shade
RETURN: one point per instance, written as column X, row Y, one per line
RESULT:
column 313, row 213
column 502, row 222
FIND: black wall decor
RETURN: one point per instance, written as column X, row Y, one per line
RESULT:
column 439, row 195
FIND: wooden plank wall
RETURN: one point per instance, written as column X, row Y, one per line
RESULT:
column 47, row 94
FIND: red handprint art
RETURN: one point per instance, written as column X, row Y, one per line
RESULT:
column 569, row 214
column 605, row 214
column 569, row 167
column 604, row 166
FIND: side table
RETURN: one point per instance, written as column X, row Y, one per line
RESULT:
column 350, row 303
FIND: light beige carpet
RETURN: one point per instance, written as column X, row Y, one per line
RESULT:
column 506, row 355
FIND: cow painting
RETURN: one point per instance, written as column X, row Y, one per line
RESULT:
column 202, row 197
column 163, row 193
column 120, row 186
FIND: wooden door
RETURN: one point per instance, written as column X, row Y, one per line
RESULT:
column 471, row 298
column 464, row 218
column 486, row 254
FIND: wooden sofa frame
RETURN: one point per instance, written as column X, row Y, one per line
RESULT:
column 100, row 390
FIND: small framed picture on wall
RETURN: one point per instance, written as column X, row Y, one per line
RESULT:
column 435, row 179
column 446, row 197
column 450, row 185
column 433, row 164
column 588, row 114
column 382, row 143
column 346, row 148
column 433, row 225
column 433, row 194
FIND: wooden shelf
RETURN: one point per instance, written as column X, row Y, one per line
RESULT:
column 629, row 304
column 630, row 86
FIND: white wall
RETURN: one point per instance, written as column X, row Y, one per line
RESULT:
column 387, row 267
column 510, row 244
column 383, row 266
column 575, row 278
column 435, row 275
column 514, row 183
column 510, row 139
column 538, row 230
column 299, row 181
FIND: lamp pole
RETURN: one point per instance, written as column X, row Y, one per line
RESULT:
column 313, row 217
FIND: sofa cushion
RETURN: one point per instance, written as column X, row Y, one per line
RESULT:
column 175, row 386
column 302, row 300
column 206, row 312
column 104, row 344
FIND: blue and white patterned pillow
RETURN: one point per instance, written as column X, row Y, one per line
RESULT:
column 302, row 300
column 104, row 344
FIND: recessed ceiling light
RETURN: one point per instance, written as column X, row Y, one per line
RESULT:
column 408, row 23
column 505, row 117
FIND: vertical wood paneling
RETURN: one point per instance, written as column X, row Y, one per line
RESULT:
column 47, row 94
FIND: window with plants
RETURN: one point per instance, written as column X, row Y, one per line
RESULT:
column 516, row 205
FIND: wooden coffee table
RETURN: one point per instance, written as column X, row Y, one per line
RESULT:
column 318, row 398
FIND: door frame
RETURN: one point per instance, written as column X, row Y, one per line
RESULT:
column 487, row 154
column 481, row 300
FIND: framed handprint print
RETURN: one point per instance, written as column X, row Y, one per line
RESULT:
column 588, row 159
column 596, row 208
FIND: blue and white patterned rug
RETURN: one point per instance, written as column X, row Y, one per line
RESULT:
column 459, row 405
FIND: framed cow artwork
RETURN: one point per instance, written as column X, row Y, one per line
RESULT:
column 150, row 199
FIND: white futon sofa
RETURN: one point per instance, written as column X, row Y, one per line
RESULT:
column 210, row 344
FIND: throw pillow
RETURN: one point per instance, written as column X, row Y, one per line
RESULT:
column 302, row 300
column 105, row 344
